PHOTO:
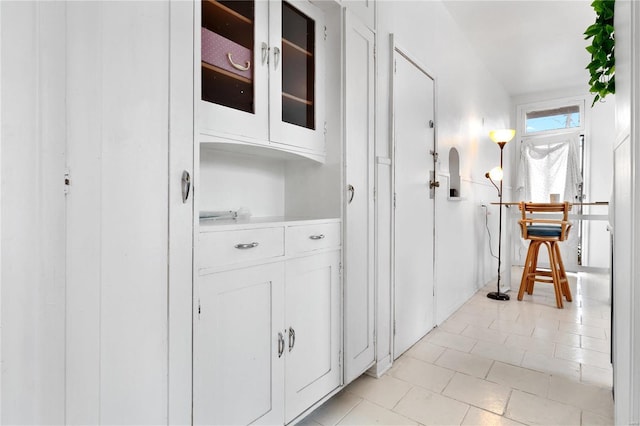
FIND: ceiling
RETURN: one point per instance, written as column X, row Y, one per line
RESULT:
column 531, row 45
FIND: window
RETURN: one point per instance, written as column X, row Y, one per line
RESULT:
column 568, row 117
column 551, row 151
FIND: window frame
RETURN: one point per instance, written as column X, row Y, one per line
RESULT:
column 524, row 109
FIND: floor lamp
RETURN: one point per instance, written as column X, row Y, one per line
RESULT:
column 501, row 137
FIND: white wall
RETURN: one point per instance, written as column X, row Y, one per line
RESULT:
column 223, row 173
column 599, row 182
column 1, row 139
column 469, row 103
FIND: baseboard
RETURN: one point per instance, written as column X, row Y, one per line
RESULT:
column 380, row 367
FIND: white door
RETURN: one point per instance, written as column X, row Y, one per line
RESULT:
column 413, row 97
column 239, row 347
column 312, row 321
column 359, row 296
column 117, row 283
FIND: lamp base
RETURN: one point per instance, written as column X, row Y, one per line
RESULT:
column 495, row 295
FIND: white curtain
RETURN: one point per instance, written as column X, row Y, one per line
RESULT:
column 549, row 166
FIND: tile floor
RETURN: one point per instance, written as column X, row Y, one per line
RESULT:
column 502, row 363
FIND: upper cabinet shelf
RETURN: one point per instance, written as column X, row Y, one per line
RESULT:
column 286, row 43
column 226, row 73
column 222, row 11
column 262, row 75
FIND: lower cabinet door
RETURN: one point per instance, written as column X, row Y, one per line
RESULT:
column 312, row 319
column 238, row 347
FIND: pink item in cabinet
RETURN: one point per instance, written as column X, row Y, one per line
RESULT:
column 225, row 54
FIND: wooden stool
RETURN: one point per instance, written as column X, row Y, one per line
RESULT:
column 547, row 232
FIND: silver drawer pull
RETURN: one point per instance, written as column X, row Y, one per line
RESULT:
column 280, row 344
column 292, row 338
column 246, row 246
column 316, row 237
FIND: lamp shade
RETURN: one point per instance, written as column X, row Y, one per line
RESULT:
column 502, row 135
column 496, row 173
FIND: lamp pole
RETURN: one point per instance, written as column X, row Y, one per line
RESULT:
column 496, row 294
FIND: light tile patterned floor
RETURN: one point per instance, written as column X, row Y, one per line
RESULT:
column 496, row 363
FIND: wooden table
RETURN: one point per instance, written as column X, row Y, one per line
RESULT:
column 595, row 203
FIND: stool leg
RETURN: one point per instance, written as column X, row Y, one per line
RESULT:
column 534, row 266
column 524, row 281
column 563, row 275
column 555, row 273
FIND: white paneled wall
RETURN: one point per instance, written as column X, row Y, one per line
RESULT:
column 33, row 147
column 626, row 276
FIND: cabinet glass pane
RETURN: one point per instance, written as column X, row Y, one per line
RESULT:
column 227, row 36
column 298, row 67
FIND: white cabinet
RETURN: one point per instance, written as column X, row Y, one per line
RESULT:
column 359, row 299
column 267, row 335
column 262, row 75
column 312, row 317
column 238, row 347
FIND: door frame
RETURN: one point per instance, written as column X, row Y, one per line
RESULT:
column 397, row 49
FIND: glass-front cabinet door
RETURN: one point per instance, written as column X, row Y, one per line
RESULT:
column 297, row 86
column 234, row 69
column 262, row 71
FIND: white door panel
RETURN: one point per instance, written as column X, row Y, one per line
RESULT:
column 237, row 359
column 312, row 318
column 359, row 287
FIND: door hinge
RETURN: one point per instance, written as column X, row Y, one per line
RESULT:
column 199, row 309
column 394, row 327
column 67, row 180
column 395, row 66
column 325, row 128
column 325, row 32
column 340, row 270
column 375, row 195
column 394, row 200
column 340, row 358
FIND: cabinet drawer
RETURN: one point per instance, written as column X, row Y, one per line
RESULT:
column 225, row 54
column 306, row 238
column 230, row 247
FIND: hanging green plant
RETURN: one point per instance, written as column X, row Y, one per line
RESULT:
column 602, row 67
